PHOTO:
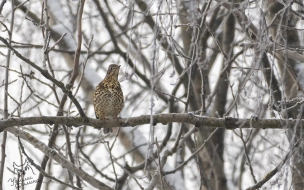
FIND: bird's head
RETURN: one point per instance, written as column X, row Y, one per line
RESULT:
column 113, row 71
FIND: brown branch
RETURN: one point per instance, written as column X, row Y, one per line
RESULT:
column 210, row 122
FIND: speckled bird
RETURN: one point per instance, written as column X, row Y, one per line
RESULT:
column 108, row 97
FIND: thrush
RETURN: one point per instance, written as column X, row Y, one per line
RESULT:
column 108, row 97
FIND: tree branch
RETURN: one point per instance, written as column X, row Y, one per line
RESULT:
column 210, row 122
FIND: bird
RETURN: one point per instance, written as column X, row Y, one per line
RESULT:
column 108, row 98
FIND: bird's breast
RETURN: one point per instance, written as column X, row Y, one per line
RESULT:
column 108, row 101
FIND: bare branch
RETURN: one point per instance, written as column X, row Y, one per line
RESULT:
column 228, row 122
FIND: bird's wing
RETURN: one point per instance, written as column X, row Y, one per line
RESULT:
column 100, row 85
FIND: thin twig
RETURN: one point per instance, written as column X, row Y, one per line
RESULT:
column 247, row 156
column 269, row 175
column 63, row 35
column 192, row 156
column 89, row 159
column 217, row 85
